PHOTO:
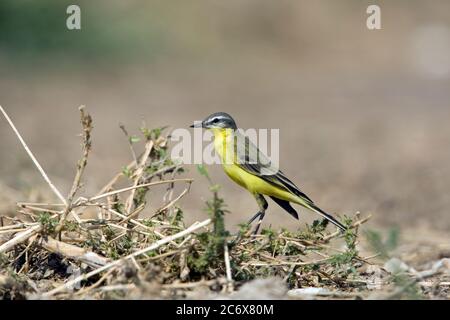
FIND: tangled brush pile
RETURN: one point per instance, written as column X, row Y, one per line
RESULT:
column 109, row 246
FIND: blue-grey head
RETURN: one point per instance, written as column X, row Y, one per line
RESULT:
column 220, row 120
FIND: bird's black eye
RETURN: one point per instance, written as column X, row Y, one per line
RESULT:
column 215, row 120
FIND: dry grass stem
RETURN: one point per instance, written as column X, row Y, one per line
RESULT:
column 33, row 158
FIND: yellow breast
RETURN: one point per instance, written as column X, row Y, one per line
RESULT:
column 224, row 146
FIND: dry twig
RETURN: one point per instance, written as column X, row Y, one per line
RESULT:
column 33, row 158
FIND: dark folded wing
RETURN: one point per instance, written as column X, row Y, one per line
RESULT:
column 286, row 206
column 252, row 160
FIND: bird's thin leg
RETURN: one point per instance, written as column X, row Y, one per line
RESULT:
column 262, row 203
column 238, row 234
column 258, row 224
column 258, row 214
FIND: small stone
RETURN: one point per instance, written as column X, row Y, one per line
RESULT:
column 308, row 293
column 395, row 265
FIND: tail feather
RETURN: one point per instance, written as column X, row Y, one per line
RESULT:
column 327, row 216
column 310, row 205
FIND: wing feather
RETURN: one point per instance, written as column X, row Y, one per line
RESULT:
column 252, row 160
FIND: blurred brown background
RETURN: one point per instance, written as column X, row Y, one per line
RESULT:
column 363, row 114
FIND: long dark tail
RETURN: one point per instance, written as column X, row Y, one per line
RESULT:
column 286, row 206
column 327, row 216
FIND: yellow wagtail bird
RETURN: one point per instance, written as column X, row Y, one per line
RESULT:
column 246, row 165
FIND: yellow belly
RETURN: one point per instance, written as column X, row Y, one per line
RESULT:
column 255, row 184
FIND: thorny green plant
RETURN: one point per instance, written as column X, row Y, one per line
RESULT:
column 383, row 247
column 214, row 242
column 404, row 286
column 48, row 223
column 3, row 260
